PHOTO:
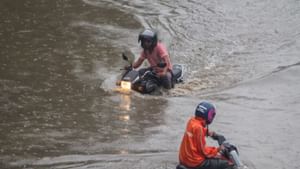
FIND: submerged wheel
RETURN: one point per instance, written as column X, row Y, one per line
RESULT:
column 150, row 86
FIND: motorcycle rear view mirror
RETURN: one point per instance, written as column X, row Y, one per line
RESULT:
column 124, row 57
column 162, row 64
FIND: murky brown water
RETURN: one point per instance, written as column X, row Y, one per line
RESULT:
column 60, row 60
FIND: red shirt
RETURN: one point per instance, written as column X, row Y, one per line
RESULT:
column 157, row 55
column 193, row 150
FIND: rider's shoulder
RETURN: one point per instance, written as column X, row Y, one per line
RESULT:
column 161, row 47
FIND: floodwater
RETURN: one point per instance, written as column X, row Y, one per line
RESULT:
column 60, row 60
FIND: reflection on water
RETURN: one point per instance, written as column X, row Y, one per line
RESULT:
column 125, row 102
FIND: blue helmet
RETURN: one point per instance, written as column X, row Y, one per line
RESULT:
column 206, row 110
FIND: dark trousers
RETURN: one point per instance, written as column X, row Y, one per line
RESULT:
column 214, row 163
column 165, row 81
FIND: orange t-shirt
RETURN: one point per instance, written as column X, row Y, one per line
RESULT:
column 193, row 150
column 159, row 54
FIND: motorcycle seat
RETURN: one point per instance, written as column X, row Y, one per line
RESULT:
column 179, row 166
column 177, row 72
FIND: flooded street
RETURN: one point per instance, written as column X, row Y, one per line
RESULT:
column 60, row 60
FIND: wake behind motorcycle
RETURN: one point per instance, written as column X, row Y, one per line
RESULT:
column 229, row 153
column 146, row 81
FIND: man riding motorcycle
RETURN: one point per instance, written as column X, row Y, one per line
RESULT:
column 155, row 52
column 194, row 153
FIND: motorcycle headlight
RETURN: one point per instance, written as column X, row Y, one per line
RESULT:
column 126, row 85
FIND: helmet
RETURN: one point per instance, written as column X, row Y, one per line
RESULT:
column 206, row 110
column 148, row 34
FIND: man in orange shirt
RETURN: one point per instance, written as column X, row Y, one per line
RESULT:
column 155, row 52
column 194, row 153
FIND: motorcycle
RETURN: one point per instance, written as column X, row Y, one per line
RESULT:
column 146, row 81
column 229, row 153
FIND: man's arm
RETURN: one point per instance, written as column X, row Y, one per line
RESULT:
column 138, row 63
column 165, row 59
column 207, row 151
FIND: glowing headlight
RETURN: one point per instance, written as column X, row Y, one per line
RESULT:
column 126, row 85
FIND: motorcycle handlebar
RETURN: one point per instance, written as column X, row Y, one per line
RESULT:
column 229, row 151
column 220, row 138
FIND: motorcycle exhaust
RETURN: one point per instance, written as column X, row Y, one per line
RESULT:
column 235, row 158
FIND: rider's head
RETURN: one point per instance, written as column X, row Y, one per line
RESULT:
column 148, row 39
column 206, row 110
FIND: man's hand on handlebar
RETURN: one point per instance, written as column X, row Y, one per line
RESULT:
column 220, row 138
column 128, row 67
